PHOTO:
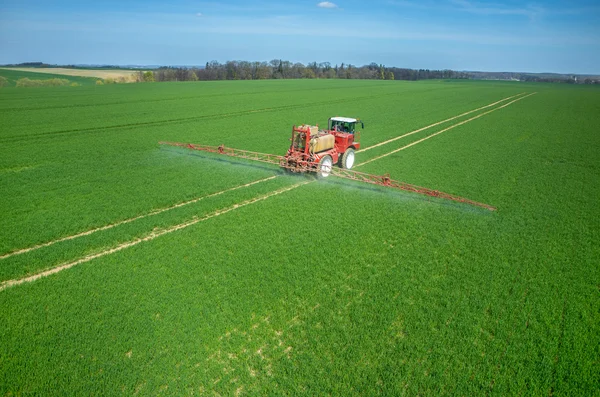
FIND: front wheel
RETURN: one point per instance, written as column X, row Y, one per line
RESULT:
column 324, row 168
column 348, row 159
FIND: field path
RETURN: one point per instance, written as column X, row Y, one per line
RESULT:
column 109, row 226
column 446, row 129
column 438, row 123
column 149, row 237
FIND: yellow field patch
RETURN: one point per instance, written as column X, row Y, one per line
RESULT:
column 102, row 74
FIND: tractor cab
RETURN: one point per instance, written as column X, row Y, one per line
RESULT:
column 344, row 124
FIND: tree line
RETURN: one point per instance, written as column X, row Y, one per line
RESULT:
column 280, row 69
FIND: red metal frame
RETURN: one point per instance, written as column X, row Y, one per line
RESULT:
column 245, row 154
column 385, row 180
column 303, row 163
column 299, row 159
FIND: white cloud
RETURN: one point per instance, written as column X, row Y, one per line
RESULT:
column 199, row 14
column 327, row 4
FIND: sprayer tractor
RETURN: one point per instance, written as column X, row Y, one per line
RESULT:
column 318, row 150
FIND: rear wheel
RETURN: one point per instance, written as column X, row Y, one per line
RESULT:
column 348, row 159
column 325, row 165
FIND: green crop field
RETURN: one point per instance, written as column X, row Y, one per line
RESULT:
column 130, row 268
column 12, row 76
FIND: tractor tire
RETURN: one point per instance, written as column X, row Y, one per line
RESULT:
column 347, row 160
column 324, row 167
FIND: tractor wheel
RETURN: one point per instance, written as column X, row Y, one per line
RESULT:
column 348, row 159
column 325, row 165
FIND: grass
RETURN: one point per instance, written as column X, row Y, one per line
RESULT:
column 332, row 287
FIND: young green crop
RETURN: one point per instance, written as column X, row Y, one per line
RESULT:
column 330, row 288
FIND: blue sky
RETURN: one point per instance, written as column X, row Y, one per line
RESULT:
column 502, row 35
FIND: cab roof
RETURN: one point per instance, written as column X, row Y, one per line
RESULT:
column 344, row 119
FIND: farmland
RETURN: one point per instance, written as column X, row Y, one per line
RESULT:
column 187, row 273
column 13, row 75
column 79, row 73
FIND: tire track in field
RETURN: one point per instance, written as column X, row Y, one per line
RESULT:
column 445, row 129
column 438, row 123
column 25, row 137
column 129, row 220
column 11, row 283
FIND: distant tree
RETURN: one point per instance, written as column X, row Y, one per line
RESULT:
column 308, row 73
column 181, row 74
column 274, row 65
column 315, row 69
column 297, row 70
column 286, row 67
column 350, row 72
column 340, row 72
column 148, row 76
column 231, row 68
column 389, row 75
column 325, row 68
column 191, row 75
column 366, row 72
column 329, row 74
column 245, row 70
column 212, row 70
column 263, row 71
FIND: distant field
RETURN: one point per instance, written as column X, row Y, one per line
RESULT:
column 102, row 73
column 130, row 268
column 12, row 75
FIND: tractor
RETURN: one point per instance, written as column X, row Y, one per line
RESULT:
column 317, row 150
